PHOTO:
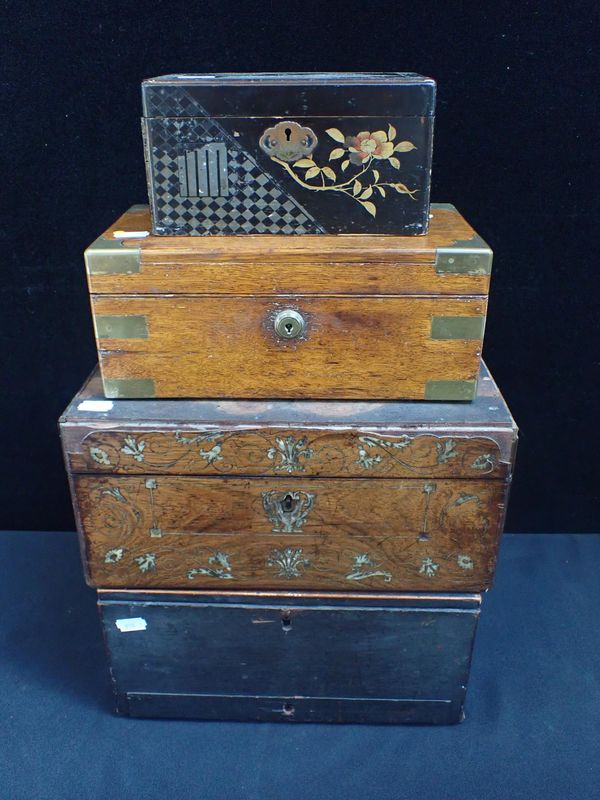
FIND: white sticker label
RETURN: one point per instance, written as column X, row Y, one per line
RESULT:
column 130, row 234
column 131, row 624
column 95, row 405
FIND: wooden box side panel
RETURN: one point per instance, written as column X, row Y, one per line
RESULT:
column 313, row 534
column 426, row 348
column 254, row 265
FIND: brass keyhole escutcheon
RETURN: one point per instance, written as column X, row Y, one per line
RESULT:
column 288, row 141
column 289, row 324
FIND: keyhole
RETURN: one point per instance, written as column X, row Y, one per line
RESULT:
column 288, row 709
column 289, row 327
column 288, row 502
column 286, row 621
column 288, row 133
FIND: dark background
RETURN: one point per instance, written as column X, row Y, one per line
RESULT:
column 514, row 150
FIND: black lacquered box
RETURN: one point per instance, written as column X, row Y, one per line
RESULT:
column 293, row 657
column 289, row 153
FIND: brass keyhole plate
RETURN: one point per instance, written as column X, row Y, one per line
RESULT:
column 289, row 324
column 288, row 141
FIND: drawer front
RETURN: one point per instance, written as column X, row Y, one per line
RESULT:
column 298, row 347
column 280, row 661
column 190, row 532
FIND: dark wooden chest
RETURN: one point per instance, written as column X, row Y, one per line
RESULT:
column 296, row 495
column 300, row 153
column 345, row 317
column 293, row 657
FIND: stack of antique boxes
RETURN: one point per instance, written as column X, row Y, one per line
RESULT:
column 276, row 529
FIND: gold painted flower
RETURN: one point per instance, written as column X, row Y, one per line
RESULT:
column 369, row 145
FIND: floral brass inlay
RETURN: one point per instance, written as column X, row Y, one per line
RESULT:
column 210, row 456
column 290, row 562
column 288, row 510
column 258, row 452
column 134, row 448
column 366, row 460
column 445, row 451
column 222, row 568
column 464, row 562
column 429, row 567
column 99, row 455
column 485, row 462
column 364, row 567
column 362, row 152
column 289, row 451
column 115, row 492
column 147, row 562
column 114, row 555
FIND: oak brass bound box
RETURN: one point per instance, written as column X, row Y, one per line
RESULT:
column 345, row 317
column 309, row 496
column 291, row 657
column 298, row 153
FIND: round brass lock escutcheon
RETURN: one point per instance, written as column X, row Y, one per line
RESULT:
column 289, row 324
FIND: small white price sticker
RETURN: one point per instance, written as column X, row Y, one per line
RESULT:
column 131, row 624
column 130, row 234
column 95, row 405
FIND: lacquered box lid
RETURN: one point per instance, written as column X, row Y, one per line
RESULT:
column 347, row 94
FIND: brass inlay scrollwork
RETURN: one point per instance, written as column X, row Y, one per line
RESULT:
column 364, row 567
column 221, row 568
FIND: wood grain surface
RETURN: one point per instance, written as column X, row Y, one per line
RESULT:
column 270, row 533
column 353, row 347
column 254, row 265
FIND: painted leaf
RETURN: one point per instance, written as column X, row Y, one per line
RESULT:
column 404, row 147
column 395, row 163
column 381, row 190
column 336, row 134
column 401, row 188
column 370, row 207
column 345, row 165
column 329, row 173
column 312, row 172
column 337, row 153
column 391, row 132
column 356, row 188
column 376, row 175
column 367, row 193
column 304, row 162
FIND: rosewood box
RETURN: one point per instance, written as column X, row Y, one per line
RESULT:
column 295, row 153
column 290, row 657
column 280, row 496
column 346, row 317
